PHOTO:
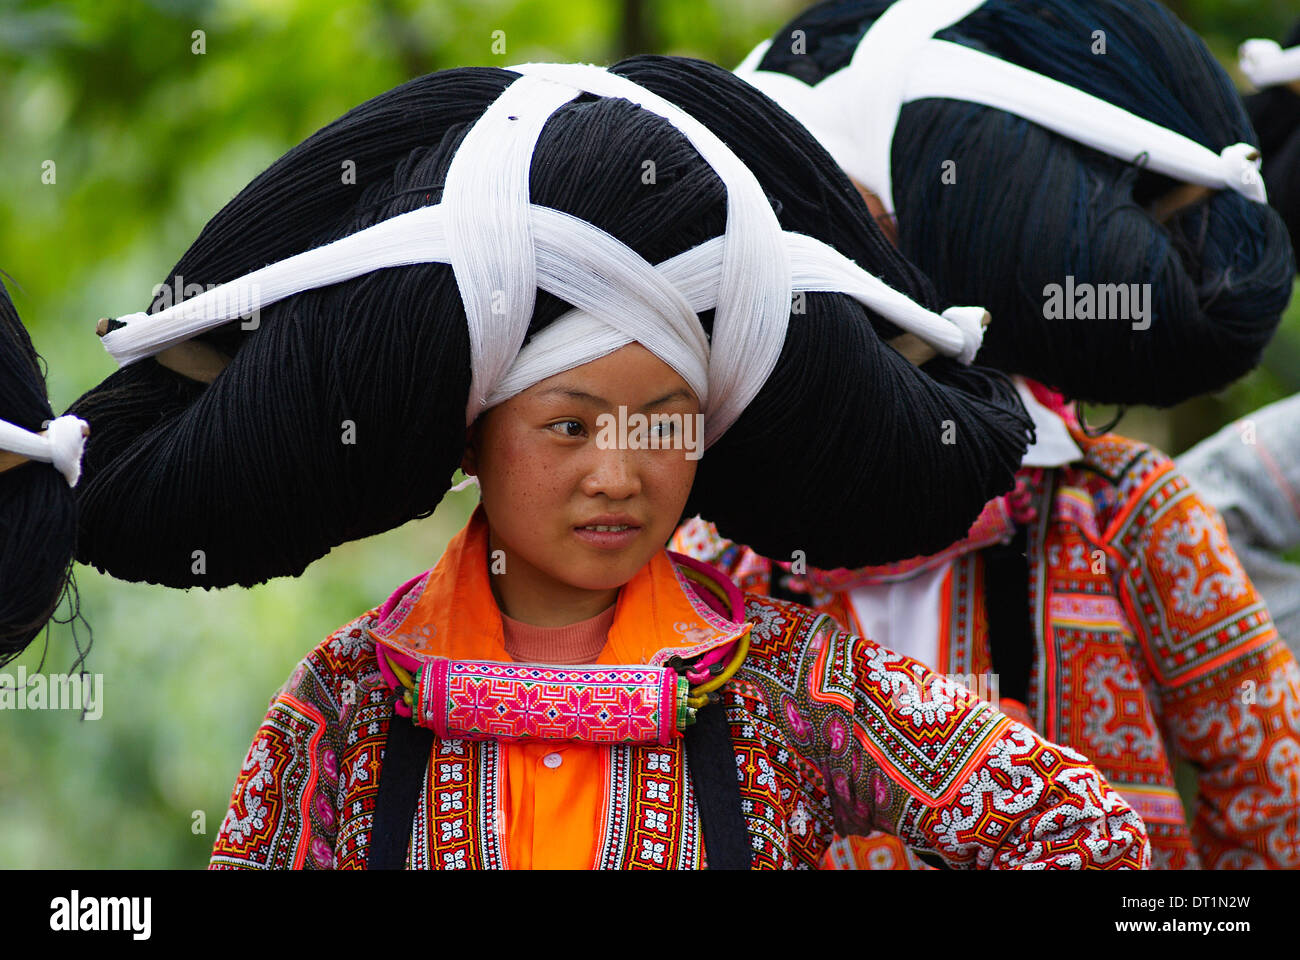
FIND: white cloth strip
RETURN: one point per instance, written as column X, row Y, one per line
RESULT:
column 409, row 238
column 1108, row 128
column 61, row 446
column 657, row 316
column 958, row 332
column 819, row 268
column 880, row 71
column 1266, row 64
column 754, row 290
column 695, row 273
column 489, row 231
column 854, row 111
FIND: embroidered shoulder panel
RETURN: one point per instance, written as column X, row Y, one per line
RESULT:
column 1120, row 461
column 275, row 793
column 1188, row 592
column 284, row 811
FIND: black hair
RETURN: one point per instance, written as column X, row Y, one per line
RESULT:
column 1275, row 112
column 1030, row 208
column 38, row 516
column 848, row 453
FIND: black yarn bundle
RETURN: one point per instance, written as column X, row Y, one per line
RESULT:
column 1275, row 112
column 842, row 455
column 38, row 517
column 1029, row 208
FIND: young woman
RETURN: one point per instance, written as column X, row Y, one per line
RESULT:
column 998, row 140
column 558, row 690
column 1250, row 470
column 1250, row 473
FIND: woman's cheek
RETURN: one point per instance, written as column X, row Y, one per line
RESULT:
column 672, row 480
column 677, row 477
column 523, row 466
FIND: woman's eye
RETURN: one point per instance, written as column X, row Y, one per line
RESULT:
column 568, row 428
column 665, row 428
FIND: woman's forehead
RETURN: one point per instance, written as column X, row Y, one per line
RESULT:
column 631, row 376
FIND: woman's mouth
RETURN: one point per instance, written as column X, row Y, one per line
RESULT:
column 610, row 536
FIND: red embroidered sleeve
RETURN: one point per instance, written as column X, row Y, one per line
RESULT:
column 906, row 751
column 283, row 809
column 270, row 806
column 1228, row 689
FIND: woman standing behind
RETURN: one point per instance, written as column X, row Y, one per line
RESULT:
column 1250, row 470
column 999, row 140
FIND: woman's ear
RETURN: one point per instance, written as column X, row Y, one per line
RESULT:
column 469, row 462
column 886, row 221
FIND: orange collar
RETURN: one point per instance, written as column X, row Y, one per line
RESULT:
column 450, row 611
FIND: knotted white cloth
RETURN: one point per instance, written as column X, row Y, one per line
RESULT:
column 61, row 445
column 503, row 248
column 1266, row 64
column 854, row 111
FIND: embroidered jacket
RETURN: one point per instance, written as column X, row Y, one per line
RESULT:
column 830, row 732
column 1150, row 644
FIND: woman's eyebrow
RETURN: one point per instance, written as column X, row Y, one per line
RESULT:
column 674, row 395
column 590, row 398
column 573, row 394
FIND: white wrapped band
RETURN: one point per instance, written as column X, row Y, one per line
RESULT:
column 62, row 444
column 695, row 273
column 754, row 289
column 1266, row 64
column 493, row 256
column 618, row 298
column 504, row 248
column 854, row 111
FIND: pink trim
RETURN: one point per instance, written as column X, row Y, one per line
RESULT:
column 441, row 670
column 667, row 707
column 485, row 700
column 700, row 671
column 397, row 606
column 309, row 788
column 737, row 612
column 391, row 616
column 405, row 661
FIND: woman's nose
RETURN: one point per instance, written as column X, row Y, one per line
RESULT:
column 615, row 473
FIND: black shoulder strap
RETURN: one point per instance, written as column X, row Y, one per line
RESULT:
column 1006, row 608
column 709, row 755
column 711, row 758
column 401, row 774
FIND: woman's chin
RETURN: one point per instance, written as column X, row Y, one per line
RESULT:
column 605, row 574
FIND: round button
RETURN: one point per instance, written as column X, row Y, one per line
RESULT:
column 552, row 760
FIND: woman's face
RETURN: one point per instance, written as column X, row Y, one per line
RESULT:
column 553, row 466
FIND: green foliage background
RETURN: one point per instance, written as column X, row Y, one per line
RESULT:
column 149, row 139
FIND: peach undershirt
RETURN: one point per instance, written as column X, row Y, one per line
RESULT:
column 553, row 812
column 576, row 643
